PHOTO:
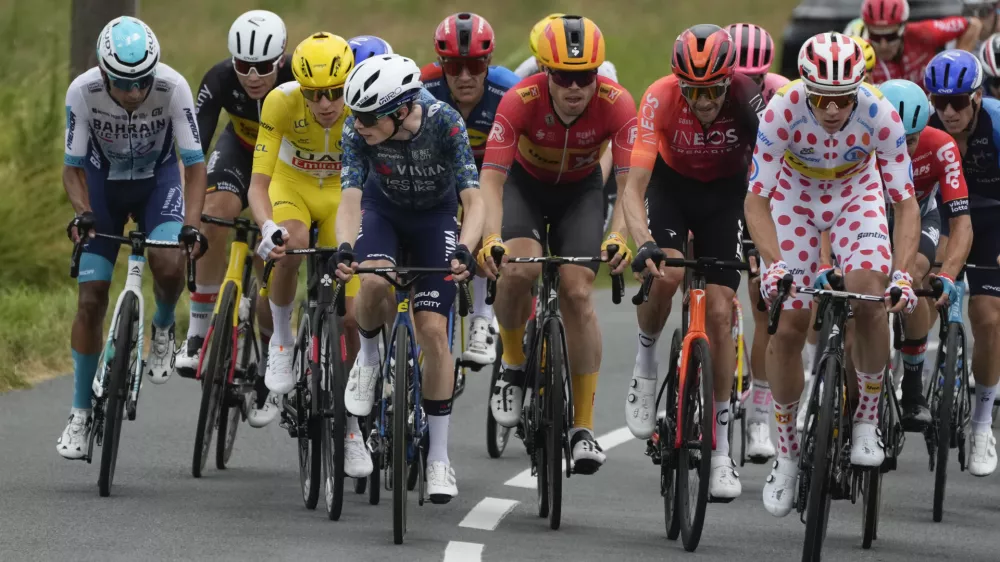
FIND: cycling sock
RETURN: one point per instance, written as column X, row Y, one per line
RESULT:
column 202, row 305
column 809, row 358
column 645, row 358
column 164, row 315
column 584, row 393
column 513, row 346
column 368, row 354
column 438, row 420
column 353, row 429
column 913, row 365
column 479, row 306
column 869, row 387
column 84, row 369
column 982, row 414
column 282, row 316
column 721, row 429
column 761, row 402
column 784, row 419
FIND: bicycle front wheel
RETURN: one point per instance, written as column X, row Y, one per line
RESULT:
column 823, row 451
column 219, row 352
column 871, row 484
column 694, row 457
column 335, row 426
column 668, row 432
column 555, row 416
column 400, row 412
column 307, row 422
column 955, row 347
column 496, row 434
column 126, row 353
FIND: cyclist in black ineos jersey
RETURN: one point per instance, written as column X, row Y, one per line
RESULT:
column 238, row 85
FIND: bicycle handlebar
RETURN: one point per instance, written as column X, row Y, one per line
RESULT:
column 139, row 242
column 407, row 276
column 617, row 280
column 238, row 222
column 699, row 264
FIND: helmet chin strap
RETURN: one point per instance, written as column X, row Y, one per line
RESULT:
column 397, row 121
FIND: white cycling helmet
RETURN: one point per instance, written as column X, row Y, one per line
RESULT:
column 382, row 84
column 257, row 35
column 127, row 48
column 831, row 63
column 989, row 56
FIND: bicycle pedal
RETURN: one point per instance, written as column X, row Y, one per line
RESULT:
column 713, row 499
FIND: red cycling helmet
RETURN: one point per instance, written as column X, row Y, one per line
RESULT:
column 464, row 35
column 754, row 48
column 703, row 55
column 883, row 13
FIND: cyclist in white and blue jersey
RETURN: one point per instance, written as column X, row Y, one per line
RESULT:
column 123, row 118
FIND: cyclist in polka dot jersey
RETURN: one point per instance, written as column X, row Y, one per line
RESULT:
column 814, row 170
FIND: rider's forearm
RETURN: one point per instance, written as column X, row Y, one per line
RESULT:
column 491, row 185
column 349, row 216
column 958, row 246
column 75, row 184
column 260, row 201
column 472, row 219
column 607, row 165
column 195, row 185
column 631, row 203
column 618, row 223
column 969, row 39
column 906, row 233
column 761, row 227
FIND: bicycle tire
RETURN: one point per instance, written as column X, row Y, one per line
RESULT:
column 944, row 415
column 555, row 396
column 668, row 455
column 696, row 387
column 361, row 484
column 213, row 379
column 400, row 413
column 374, row 489
column 117, row 390
column 335, row 376
column 234, row 405
column 824, row 453
column 872, row 477
column 497, row 436
column 310, row 455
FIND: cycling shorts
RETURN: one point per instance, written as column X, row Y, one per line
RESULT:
column 307, row 203
column 930, row 233
column 229, row 167
column 712, row 211
column 984, row 251
column 567, row 218
column 156, row 204
column 416, row 239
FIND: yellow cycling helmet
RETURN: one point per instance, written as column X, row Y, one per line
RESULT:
column 323, row 60
column 537, row 30
column 868, row 51
column 571, row 43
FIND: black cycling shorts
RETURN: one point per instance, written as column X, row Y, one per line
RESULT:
column 984, row 251
column 930, row 233
column 567, row 218
column 229, row 167
column 712, row 211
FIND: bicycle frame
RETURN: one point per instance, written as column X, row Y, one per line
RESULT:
column 696, row 330
column 740, row 347
column 403, row 321
column 133, row 284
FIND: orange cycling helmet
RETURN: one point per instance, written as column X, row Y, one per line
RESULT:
column 703, row 55
column 571, row 43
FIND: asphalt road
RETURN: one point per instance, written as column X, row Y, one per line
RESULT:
column 50, row 509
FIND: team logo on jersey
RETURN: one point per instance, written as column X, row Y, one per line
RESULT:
column 157, row 111
column 550, row 119
column 856, row 154
column 609, row 92
column 528, row 94
column 497, row 132
column 753, row 169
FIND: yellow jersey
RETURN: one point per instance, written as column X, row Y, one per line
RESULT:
column 293, row 146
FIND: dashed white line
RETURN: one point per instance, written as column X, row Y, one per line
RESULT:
column 458, row 551
column 488, row 513
column 608, row 441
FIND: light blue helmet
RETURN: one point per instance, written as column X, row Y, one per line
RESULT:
column 127, row 48
column 910, row 101
column 367, row 46
column 953, row 72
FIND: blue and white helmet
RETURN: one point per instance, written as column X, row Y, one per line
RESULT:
column 953, row 72
column 365, row 47
column 127, row 48
column 382, row 84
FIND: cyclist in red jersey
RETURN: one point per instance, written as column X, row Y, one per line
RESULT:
column 904, row 48
column 697, row 129
column 542, row 182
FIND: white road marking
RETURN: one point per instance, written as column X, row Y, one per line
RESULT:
column 463, row 552
column 608, row 441
column 488, row 513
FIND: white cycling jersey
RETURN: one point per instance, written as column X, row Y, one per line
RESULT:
column 530, row 67
column 130, row 146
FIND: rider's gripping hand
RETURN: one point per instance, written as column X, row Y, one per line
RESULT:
column 268, row 249
column 904, row 282
column 193, row 240
column 485, row 257
column 84, row 222
column 621, row 259
column 772, row 276
column 648, row 258
column 823, row 277
column 462, row 263
column 949, row 292
column 345, row 262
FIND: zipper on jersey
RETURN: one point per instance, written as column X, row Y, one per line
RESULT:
column 326, row 149
column 562, row 163
column 409, row 176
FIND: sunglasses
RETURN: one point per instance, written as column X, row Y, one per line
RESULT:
column 566, row 78
column 316, row 94
column 887, row 37
column 263, row 68
column 958, row 102
column 128, row 84
column 694, row 93
column 454, row 66
column 369, row 119
column 839, row 101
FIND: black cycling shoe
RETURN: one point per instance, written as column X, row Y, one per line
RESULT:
column 916, row 414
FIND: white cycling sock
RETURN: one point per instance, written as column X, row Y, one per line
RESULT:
column 202, row 304
column 784, row 419
column 282, row 316
column 761, row 408
column 368, row 354
column 353, row 429
column 438, row 427
column 479, row 306
column 645, row 357
column 809, row 358
column 982, row 413
column 870, row 390
column 721, row 429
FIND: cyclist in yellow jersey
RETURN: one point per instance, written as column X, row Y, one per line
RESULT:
column 296, row 182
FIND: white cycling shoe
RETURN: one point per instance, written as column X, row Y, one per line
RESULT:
column 187, row 357
column 263, row 416
column 75, row 439
column 160, row 361
column 359, row 396
column 725, row 481
column 357, row 459
column 640, row 404
column 866, row 445
column 280, row 375
column 983, row 453
column 779, row 489
column 759, row 445
column 506, row 402
column 481, row 348
column 441, row 483
column 588, row 456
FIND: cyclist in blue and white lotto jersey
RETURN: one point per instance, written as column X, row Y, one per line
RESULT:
column 122, row 120
column 814, row 170
column 954, row 79
column 406, row 163
column 365, row 47
column 464, row 79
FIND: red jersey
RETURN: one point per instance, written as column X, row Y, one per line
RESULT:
column 937, row 164
column 921, row 41
column 528, row 130
column 669, row 129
